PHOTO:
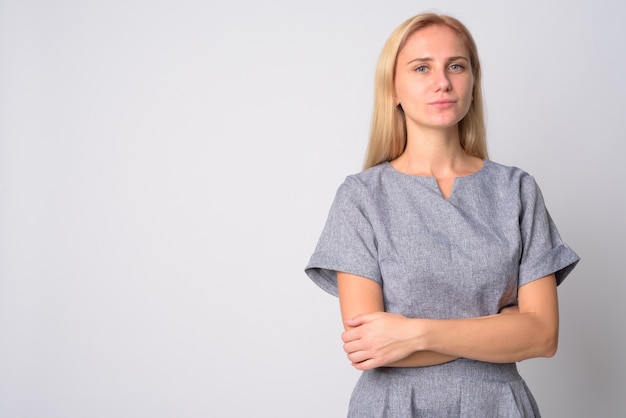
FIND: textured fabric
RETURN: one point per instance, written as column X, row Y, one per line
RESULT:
column 437, row 258
column 464, row 388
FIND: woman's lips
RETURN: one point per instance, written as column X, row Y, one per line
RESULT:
column 444, row 103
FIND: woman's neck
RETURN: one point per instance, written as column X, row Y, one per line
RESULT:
column 436, row 153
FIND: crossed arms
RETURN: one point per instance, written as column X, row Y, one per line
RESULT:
column 374, row 338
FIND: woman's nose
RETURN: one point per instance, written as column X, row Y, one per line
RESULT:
column 441, row 81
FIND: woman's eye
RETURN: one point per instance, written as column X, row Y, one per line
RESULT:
column 421, row 69
column 456, row 67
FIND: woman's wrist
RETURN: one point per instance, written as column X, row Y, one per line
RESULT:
column 420, row 330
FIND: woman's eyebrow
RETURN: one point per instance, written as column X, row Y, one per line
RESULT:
column 427, row 59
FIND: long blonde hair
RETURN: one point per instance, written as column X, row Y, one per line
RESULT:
column 388, row 130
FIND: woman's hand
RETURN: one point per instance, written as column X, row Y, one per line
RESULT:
column 378, row 339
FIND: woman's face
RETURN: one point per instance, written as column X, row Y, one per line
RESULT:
column 433, row 80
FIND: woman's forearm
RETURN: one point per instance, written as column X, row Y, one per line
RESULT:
column 530, row 332
column 433, row 358
column 497, row 339
column 381, row 339
column 378, row 339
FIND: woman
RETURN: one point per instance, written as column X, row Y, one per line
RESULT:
column 445, row 263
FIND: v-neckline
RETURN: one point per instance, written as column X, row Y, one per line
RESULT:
column 435, row 183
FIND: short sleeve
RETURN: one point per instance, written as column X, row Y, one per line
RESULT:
column 348, row 243
column 543, row 251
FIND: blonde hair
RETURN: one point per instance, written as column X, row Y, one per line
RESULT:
column 388, row 130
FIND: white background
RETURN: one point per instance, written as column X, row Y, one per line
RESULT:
column 166, row 168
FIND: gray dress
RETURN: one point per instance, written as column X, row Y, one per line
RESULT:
column 436, row 258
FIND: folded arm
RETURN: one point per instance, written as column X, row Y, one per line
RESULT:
column 374, row 338
column 358, row 295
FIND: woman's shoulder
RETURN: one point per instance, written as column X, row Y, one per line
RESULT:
column 365, row 185
column 369, row 178
column 505, row 172
column 509, row 181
